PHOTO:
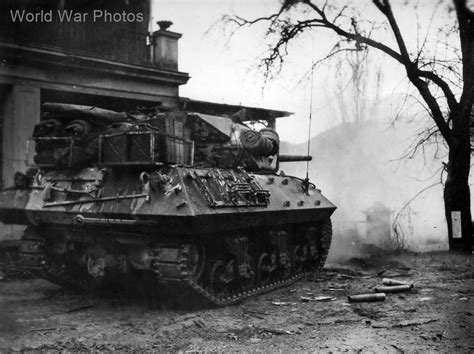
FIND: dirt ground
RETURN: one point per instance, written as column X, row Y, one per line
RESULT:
column 437, row 315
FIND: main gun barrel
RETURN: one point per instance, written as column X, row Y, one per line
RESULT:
column 294, row 158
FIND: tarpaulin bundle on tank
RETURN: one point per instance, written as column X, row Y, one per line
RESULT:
column 81, row 123
column 91, row 114
column 48, row 127
column 265, row 142
column 79, row 129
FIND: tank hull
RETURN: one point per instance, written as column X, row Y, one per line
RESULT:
column 178, row 206
column 217, row 235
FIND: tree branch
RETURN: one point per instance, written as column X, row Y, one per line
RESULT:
column 452, row 103
column 433, row 105
column 386, row 9
column 353, row 36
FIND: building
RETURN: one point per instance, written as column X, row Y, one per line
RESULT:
column 96, row 53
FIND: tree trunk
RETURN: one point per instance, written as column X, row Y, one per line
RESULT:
column 457, row 196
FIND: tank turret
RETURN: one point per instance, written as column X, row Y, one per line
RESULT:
column 75, row 136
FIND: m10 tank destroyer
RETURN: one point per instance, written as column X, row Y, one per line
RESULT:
column 183, row 203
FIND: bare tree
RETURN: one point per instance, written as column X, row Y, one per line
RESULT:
column 446, row 92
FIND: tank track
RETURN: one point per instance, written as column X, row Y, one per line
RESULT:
column 194, row 288
column 207, row 298
column 174, row 276
column 33, row 259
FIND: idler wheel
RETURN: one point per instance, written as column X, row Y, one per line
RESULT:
column 217, row 279
column 264, row 269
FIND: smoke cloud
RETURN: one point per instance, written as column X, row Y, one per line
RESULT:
column 365, row 170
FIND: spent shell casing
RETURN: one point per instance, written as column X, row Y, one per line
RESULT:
column 366, row 297
column 387, row 281
column 393, row 289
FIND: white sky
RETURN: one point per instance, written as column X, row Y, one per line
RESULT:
column 225, row 71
